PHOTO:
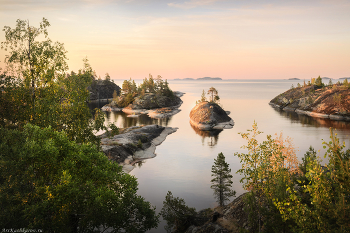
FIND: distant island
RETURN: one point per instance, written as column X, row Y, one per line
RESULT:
column 209, row 78
column 200, row 79
column 300, row 79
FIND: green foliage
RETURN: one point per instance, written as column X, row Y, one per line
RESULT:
column 115, row 95
column 330, row 83
column 326, row 208
column 51, row 183
column 203, row 99
column 298, row 85
column 286, row 198
column 177, row 214
column 139, row 144
column 346, row 83
column 157, row 86
column 318, row 82
column 125, row 100
column 107, row 77
column 61, row 105
column 337, row 98
column 268, row 169
column 213, row 95
column 38, row 91
column 222, row 181
column 114, row 129
column 38, row 63
column 313, row 81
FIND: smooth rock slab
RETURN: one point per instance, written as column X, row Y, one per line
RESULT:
column 125, row 149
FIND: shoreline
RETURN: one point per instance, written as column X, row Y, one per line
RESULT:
column 156, row 113
column 208, row 127
column 127, row 148
column 311, row 114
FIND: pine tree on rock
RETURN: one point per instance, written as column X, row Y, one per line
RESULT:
column 222, row 183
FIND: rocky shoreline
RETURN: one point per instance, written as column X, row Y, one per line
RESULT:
column 210, row 116
column 312, row 114
column 135, row 144
column 332, row 102
column 153, row 113
column 223, row 219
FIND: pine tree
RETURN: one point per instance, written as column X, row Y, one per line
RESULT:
column 213, row 95
column 330, row 83
column 203, row 99
column 222, row 182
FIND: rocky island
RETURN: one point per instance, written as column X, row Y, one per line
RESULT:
column 134, row 144
column 317, row 99
column 208, row 115
column 152, row 97
column 103, row 89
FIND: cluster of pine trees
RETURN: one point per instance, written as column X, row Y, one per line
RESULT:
column 151, row 85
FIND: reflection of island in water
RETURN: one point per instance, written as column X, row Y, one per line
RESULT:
column 212, row 135
column 313, row 121
column 121, row 120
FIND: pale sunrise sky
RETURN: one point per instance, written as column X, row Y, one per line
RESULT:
column 231, row 39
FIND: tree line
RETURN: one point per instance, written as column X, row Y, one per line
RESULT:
column 53, row 175
column 283, row 195
column 151, row 85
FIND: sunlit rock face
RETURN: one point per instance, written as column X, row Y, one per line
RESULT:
column 210, row 116
column 332, row 101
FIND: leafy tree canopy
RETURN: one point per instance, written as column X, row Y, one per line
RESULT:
column 36, row 89
column 177, row 214
column 49, row 182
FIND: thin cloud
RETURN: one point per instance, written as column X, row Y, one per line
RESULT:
column 193, row 4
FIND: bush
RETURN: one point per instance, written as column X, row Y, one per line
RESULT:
column 51, row 183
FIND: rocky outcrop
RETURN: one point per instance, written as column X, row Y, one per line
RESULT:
column 210, row 116
column 152, row 101
column 328, row 102
column 155, row 106
column 102, row 89
column 229, row 218
column 134, row 144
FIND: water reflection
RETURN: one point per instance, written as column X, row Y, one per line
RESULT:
column 97, row 104
column 212, row 135
column 313, row 121
column 121, row 120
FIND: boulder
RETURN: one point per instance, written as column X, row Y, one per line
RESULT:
column 102, row 89
column 210, row 116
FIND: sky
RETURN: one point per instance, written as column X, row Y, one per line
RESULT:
column 230, row 39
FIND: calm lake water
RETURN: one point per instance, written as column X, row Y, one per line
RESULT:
column 183, row 162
